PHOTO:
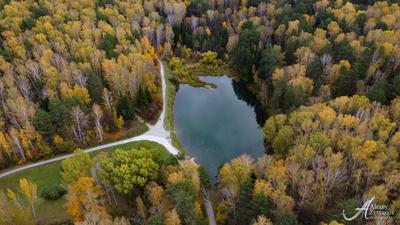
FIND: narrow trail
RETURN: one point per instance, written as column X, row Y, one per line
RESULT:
column 209, row 207
column 156, row 133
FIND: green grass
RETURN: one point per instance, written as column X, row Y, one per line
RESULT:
column 198, row 69
column 49, row 174
column 171, row 92
column 138, row 129
column 169, row 111
column 46, row 175
column 194, row 70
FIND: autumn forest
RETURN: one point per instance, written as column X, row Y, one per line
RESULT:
column 76, row 74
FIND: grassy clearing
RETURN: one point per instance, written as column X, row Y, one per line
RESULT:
column 46, row 175
column 171, row 92
column 198, row 69
column 169, row 111
column 188, row 71
column 133, row 129
column 49, row 174
column 136, row 129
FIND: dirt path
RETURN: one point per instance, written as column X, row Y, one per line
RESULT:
column 209, row 207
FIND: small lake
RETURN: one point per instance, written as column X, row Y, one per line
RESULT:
column 216, row 125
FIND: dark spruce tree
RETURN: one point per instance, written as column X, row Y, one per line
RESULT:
column 53, row 121
column 281, row 217
column 381, row 26
column 144, row 98
column 378, row 92
column 204, row 178
column 394, row 88
column 361, row 64
column 243, row 205
column 108, row 44
column 43, row 123
column 291, row 45
column 182, row 196
column 156, row 219
column 314, row 71
column 28, row 23
column 261, row 205
column 286, row 97
column 197, row 8
column 342, row 51
column 323, row 18
column 271, row 59
column 346, row 83
column 125, row 108
column 245, row 52
column 95, row 86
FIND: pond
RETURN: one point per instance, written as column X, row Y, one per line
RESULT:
column 216, row 125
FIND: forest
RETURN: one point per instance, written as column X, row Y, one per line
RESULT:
column 74, row 74
column 77, row 73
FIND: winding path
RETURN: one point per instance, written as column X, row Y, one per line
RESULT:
column 156, row 133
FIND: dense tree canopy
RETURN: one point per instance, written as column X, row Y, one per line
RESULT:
column 76, row 73
column 324, row 155
column 59, row 58
column 129, row 169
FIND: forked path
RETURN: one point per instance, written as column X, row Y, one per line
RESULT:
column 156, row 133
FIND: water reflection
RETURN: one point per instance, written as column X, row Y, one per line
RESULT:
column 216, row 125
column 245, row 95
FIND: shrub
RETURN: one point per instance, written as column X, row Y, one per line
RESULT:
column 53, row 192
column 210, row 58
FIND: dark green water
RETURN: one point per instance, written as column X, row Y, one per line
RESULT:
column 216, row 125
